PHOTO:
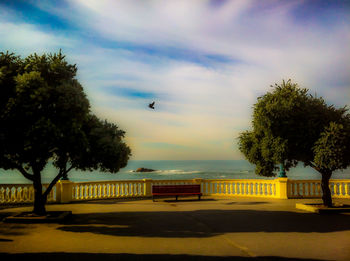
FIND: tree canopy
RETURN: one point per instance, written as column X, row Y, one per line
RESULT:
column 45, row 116
column 290, row 125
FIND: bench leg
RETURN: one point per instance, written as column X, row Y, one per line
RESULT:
column 199, row 197
column 176, row 197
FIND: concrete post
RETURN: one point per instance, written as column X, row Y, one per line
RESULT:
column 282, row 188
column 64, row 190
column 147, row 187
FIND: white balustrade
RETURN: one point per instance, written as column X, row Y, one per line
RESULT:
column 108, row 189
column 239, row 187
column 69, row 191
column 22, row 193
column 340, row 188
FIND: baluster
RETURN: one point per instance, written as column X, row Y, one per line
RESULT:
column 11, row 195
column 121, row 189
column 25, row 196
column 81, row 194
column 88, row 191
column 115, row 191
column 128, row 191
column 335, row 189
column 82, row 191
column 341, row 189
column 131, row 189
column 139, row 192
column 7, row 195
column 18, row 194
column 303, row 189
column 94, row 191
column 138, row 187
column 99, row 191
column 270, row 189
column 318, row 189
column 107, row 190
column 77, row 191
column 292, row 190
column 103, row 190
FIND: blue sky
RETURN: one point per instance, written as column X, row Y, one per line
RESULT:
column 203, row 62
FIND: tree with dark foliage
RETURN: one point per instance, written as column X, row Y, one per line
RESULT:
column 45, row 116
column 291, row 126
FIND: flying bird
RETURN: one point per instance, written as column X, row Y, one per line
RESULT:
column 151, row 105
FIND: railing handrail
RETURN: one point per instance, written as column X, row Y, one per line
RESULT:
column 67, row 191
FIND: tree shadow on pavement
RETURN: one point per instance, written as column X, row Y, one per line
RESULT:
column 138, row 257
column 203, row 223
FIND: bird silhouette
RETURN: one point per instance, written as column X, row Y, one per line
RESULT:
column 151, row 105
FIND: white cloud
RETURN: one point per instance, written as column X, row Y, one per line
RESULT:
column 24, row 39
column 199, row 106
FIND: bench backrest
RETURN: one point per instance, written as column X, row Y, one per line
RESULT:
column 176, row 189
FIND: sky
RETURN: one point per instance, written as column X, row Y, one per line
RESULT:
column 203, row 62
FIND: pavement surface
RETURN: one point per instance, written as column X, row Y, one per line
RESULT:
column 211, row 229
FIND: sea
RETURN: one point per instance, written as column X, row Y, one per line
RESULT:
column 171, row 169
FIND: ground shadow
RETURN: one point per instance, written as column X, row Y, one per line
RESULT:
column 5, row 240
column 247, row 203
column 132, row 257
column 184, row 200
column 203, row 223
column 107, row 201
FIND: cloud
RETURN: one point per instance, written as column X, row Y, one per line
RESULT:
column 203, row 62
column 24, row 39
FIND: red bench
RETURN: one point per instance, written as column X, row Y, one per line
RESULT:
column 176, row 190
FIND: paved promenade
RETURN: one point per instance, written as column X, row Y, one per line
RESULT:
column 210, row 229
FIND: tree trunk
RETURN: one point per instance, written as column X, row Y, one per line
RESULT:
column 327, row 196
column 39, row 198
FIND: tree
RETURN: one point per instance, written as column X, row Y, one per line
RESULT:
column 290, row 126
column 45, row 116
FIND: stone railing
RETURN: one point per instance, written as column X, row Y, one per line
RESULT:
column 244, row 188
column 281, row 188
column 22, row 193
column 340, row 188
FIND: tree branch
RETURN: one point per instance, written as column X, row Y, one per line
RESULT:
column 312, row 165
column 25, row 173
column 54, row 181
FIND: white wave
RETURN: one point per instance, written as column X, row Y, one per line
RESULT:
column 169, row 172
column 176, row 171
